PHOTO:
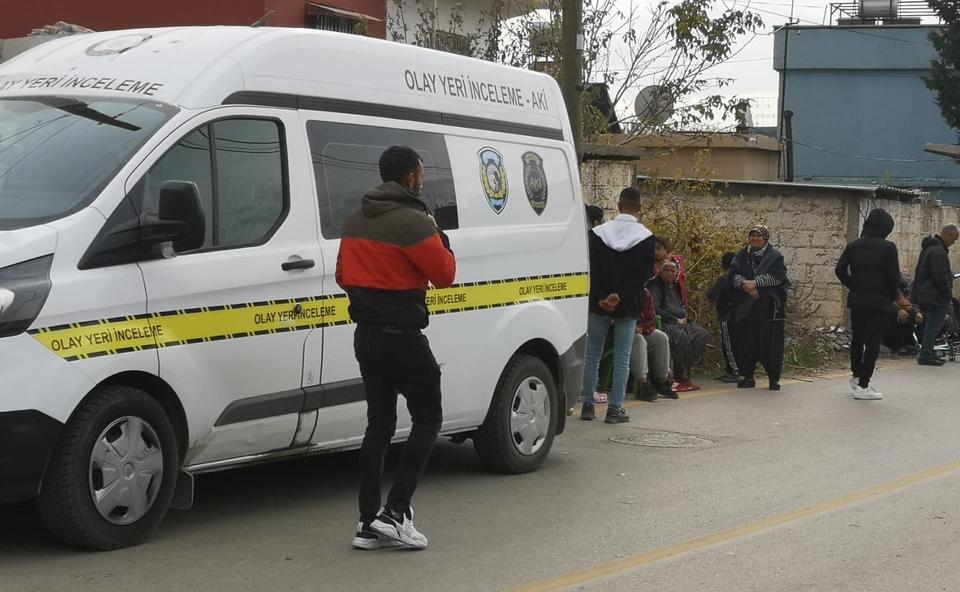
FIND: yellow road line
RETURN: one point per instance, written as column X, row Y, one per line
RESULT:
column 620, row 566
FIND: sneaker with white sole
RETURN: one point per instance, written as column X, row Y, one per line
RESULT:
column 368, row 540
column 398, row 527
column 854, row 383
column 866, row 394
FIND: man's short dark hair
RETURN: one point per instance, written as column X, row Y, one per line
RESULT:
column 630, row 198
column 397, row 162
column 727, row 260
column 662, row 241
column 594, row 214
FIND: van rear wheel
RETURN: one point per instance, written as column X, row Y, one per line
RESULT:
column 111, row 478
column 518, row 431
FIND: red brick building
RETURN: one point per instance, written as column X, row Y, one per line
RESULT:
column 103, row 15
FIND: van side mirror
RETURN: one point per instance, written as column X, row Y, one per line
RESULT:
column 180, row 202
column 179, row 222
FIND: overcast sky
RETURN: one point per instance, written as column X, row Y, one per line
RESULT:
column 752, row 66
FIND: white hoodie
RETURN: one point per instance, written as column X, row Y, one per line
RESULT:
column 622, row 233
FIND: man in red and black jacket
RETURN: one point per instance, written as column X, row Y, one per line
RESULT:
column 390, row 252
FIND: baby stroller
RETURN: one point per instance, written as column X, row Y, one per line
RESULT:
column 948, row 341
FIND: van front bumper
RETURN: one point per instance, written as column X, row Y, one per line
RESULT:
column 27, row 439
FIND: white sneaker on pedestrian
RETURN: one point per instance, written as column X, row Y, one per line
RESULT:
column 866, row 394
column 368, row 540
column 398, row 527
column 854, row 383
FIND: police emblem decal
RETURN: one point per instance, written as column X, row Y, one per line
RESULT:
column 535, row 181
column 493, row 178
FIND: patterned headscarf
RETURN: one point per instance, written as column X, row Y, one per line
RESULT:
column 763, row 230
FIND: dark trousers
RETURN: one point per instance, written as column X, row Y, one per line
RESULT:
column 867, row 328
column 729, row 361
column 933, row 320
column 396, row 361
column 759, row 339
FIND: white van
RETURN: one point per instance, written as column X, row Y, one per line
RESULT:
column 171, row 204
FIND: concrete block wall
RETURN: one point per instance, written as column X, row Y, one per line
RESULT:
column 809, row 224
column 602, row 181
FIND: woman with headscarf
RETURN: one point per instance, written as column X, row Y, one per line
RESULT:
column 759, row 275
column 688, row 340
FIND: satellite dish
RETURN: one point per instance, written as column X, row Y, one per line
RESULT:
column 653, row 105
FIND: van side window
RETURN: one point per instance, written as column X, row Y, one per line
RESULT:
column 239, row 168
column 346, row 165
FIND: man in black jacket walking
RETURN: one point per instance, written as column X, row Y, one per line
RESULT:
column 621, row 261
column 933, row 289
column 870, row 269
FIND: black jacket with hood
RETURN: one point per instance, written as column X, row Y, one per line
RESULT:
column 621, row 262
column 870, row 266
column 933, row 279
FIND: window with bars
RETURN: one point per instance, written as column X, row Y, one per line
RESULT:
column 328, row 22
column 452, row 43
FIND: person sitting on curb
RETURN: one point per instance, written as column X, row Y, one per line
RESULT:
column 688, row 340
column 650, row 342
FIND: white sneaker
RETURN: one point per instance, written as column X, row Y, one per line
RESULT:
column 854, row 383
column 866, row 394
column 368, row 540
column 398, row 527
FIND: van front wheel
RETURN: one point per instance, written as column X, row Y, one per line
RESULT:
column 519, row 428
column 111, row 478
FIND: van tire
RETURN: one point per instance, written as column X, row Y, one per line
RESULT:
column 66, row 500
column 496, row 441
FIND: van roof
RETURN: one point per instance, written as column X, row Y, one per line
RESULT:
column 200, row 67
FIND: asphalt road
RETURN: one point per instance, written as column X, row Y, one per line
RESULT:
column 805, row 489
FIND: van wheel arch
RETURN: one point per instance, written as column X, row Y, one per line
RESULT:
column 157, row 388
column 527, row 397
column 546, row 353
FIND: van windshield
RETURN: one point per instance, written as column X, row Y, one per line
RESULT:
column 58, row 153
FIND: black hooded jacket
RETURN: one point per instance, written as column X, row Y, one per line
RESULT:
column 870, row 266
column 933, row 280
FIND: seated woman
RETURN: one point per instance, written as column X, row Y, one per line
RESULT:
column 650, row 344
column 899, row 337
column 688, row 340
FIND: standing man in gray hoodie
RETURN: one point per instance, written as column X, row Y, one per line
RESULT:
column 621, row 262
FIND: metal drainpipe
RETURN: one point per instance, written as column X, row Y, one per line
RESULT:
column 788, row 139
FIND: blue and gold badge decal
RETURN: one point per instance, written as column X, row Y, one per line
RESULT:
column 535, row 181
column 493, row 177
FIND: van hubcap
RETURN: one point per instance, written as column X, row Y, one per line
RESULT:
column 126, row 469
column 530, row 415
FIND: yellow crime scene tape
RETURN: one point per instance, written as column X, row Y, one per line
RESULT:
column 104, row 337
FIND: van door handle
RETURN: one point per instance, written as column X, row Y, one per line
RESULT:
column 297, row 264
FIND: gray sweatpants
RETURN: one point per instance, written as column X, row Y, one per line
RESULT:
column 654, row 347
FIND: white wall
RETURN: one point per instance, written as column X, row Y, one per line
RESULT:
column 413, row 13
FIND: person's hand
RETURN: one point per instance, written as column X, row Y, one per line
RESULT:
column 610, row 303
column 749, row 286
column 682, row 321
column 903, row 316
column 919, row 317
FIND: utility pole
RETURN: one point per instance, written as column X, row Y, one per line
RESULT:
column 571, row 66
